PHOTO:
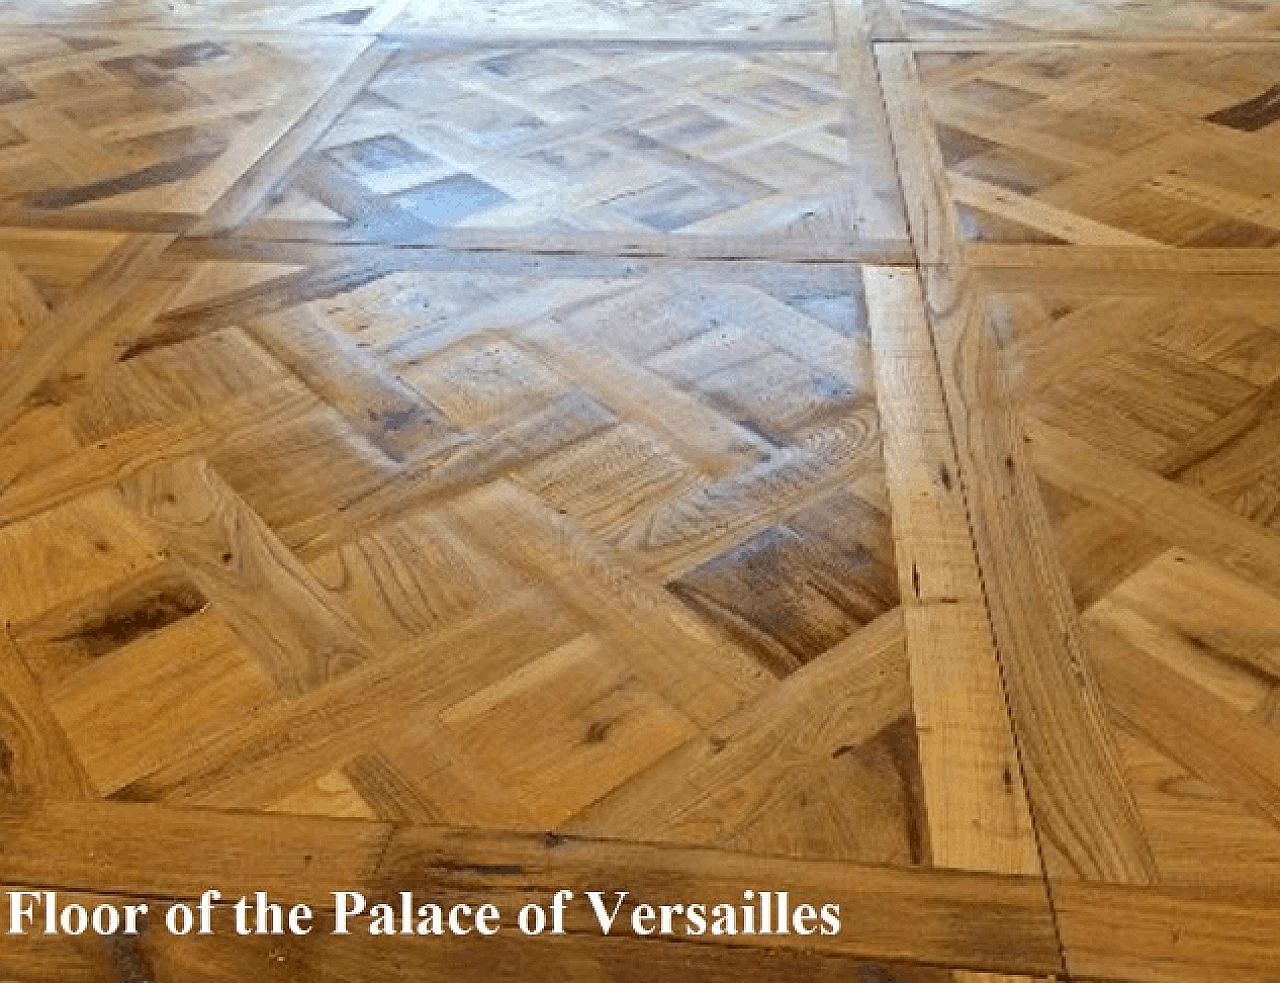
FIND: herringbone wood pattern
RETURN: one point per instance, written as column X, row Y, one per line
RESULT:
column 483, row 450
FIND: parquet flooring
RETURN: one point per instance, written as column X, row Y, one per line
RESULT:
column 793, row 19
column 1124, row 147
column 146, row 129
column 921, row 19
column 823, row 447
column 608, row 145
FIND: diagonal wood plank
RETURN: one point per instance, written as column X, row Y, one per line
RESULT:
column 43, row 350
column 711, row 787
column 1166, row 508
column 302, row 636
column 260, row 763
column 1193, row 726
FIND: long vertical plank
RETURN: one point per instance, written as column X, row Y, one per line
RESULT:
column 880, row 210
column 1088, row 823
column 977, row 804
column 920, row 165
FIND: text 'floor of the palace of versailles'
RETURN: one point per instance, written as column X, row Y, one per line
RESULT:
column 736, row 453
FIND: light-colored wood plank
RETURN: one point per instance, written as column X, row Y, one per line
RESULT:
column 1191, row 725
column 1089, row 826
column 977, row 805
column 711, row 788
column 299, row 631
column 920, row 167
column 1167, row 509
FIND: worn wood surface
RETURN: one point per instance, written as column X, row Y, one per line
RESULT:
column 483, row 448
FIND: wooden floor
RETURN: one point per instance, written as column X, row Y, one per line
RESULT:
column 481, row 448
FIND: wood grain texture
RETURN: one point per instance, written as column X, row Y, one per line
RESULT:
column 1147, row 450
column 38, row 763
column 1087, row 819
column 470, row 447
column 1113, row 932
column 1028, row 22
column 978, row 813
column 307, row 859
column 1042, row 147
column 631, row 146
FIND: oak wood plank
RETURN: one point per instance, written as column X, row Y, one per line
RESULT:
column 1088, row 823
column 42, row 350
column 977, row 805
column 920, row 167
column 301, row 632
column 240, row 200
column 1169, row 510
column 982, row 921
column 1190, row 724
column 697, row 671
column 36, row 760
column 1167, row 936
column 324, row 958
column 394, row 696
column 711, row 787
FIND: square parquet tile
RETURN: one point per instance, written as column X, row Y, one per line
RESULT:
column 1143, row 146
column 825, row 449
column 610, row 146
column 146, row 129
column 568, row 544
column 1123, row 426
